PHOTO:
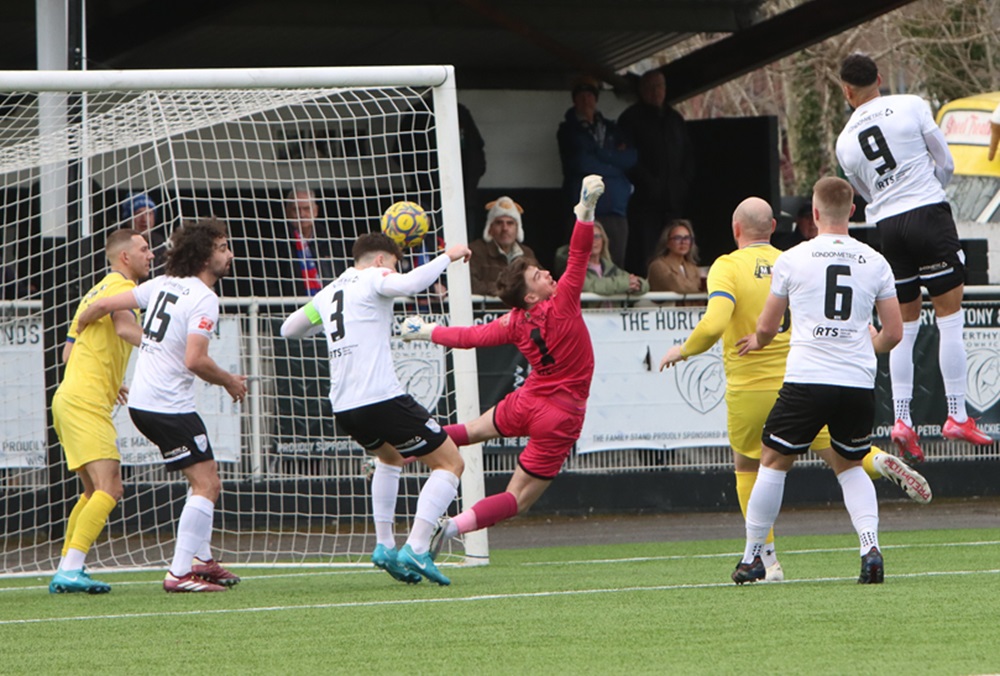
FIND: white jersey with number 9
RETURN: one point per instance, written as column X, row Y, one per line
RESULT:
column 883, row 151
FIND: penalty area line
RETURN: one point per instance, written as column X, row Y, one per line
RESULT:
column 726, row 555
column 463, row 599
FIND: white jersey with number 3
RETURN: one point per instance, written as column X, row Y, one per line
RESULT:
column 357, row 321
column 883, row 152
column 832, row 283
column 173, row 308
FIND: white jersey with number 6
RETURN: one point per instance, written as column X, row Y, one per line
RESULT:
column 832, row 283
column 173, row 308
column 884, row 153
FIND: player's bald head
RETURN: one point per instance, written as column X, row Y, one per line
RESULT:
column 755, row 216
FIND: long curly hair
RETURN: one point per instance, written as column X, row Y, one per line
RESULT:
column 191, row 246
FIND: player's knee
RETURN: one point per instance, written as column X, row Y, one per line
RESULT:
column 115, row 490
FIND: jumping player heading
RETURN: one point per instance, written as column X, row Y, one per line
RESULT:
column 896, row 157
column 355, row 311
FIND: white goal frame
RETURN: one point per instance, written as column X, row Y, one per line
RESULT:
column 441, row 80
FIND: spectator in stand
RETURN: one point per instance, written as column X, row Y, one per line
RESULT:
column 665, row 169
column 675, row 265
column 805, row 229
column 603, row 276
column 304, row 258
column 499, row 246
column 473, row 166
column 138, row 210
column 591, row 144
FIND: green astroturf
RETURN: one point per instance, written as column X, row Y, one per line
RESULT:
column 638, row 608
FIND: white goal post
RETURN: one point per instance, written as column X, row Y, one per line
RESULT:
column 80, row 150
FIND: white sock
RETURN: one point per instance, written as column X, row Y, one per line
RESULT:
column 436, row 496
column 952, row 360
column 385, row 491
column 73, row 560
column 901, row 371
column 768, row 554
column 204, row 552
column 862, row 505
column 450, row 529
column 762, row 509
column 194, row 529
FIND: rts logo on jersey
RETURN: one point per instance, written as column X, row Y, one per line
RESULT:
column 206, row 324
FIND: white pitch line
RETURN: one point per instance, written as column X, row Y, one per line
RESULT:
column 681, row 557
column 634, row 559
column 464, row 599
column 130, row 583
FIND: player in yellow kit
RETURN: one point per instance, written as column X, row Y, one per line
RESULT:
column 83, row 404
column 738, row 285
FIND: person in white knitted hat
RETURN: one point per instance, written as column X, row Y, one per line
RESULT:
column 501, row 244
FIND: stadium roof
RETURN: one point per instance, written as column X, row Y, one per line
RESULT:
column 494, row 44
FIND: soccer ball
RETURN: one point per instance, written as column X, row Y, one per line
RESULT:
column 406, row 223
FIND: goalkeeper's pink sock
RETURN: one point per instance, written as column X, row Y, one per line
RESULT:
column 458, row 433
column 487, row 512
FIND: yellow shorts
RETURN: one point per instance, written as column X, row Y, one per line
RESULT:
column 85, row 432
column 746, row 412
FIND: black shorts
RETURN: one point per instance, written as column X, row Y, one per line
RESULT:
column 802, row 410
column 400, row 422
column 923, row 249
column 181, row 437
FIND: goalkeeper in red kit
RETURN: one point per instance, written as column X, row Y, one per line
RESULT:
column 546, row 324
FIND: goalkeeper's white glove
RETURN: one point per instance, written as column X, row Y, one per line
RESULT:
column 415, row 328
column 590, row 192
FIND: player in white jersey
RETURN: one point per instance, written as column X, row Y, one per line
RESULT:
column 831, row 284
column 355, row 312
column 181, row 313
column 897, row 158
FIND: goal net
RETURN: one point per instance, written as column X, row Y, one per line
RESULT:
column 273, row 152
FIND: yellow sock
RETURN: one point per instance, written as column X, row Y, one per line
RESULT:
column 744, row 486
column 866, row 462
column 73, row 517
column 92, row 520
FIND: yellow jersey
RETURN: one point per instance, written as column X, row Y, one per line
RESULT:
column 97, row 362
column 738, row 286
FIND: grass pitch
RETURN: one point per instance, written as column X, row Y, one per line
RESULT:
column 641, row 608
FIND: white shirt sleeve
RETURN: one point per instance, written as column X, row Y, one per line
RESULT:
column 299, row 325
column 204, row 316
column 779, row 277
column 144, row 292
column 414, row 281
column 944, row 165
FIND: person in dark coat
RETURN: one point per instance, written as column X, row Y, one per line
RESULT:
column 664, row 172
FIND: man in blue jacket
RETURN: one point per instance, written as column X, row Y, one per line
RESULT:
column 591, row 144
